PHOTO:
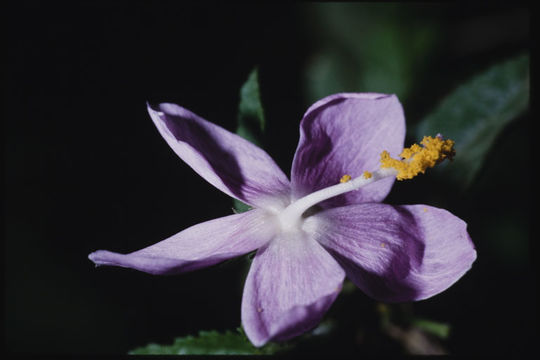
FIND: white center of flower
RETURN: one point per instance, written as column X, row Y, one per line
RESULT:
column 291, row 217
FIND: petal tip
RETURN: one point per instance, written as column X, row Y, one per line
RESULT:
column 93, row 257
column 153, row 109
column 98, row 257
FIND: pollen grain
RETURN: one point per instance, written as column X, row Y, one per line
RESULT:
column 345, row 178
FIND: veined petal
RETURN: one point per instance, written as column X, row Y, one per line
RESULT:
column 291, row 284
column 229, row 162
column 396, row 253
column 199, row 246
column 345, row 134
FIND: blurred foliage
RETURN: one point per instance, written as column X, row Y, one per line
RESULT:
column 476, row 112
column 416, row 335
column 441, row 330
column 367, row 48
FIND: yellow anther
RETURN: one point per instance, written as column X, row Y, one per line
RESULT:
column 345, row 178
column 416, row 159
column 367, row 174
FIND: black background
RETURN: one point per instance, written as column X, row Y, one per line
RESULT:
column 85, row 169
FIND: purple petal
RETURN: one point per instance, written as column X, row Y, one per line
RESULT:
column 345, row 134
column 199, row 246
column 226, row 160
column 291, row 284
column 396, row 253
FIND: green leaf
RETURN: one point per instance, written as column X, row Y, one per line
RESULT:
column 250, row 111
column 441, row 330
column 476, row 113
column 251, row 122
column 240, row 207
column 209, row 343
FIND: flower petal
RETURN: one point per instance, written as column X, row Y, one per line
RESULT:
column 291, row 284
column 396, row 253
column 199, row 246
column 345, row 134
column 229, row 162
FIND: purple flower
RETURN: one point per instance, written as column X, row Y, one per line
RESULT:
column 312, row 231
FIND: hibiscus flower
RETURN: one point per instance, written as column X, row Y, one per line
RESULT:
column 325, row 224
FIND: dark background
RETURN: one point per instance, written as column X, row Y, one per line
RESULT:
column 85, row 169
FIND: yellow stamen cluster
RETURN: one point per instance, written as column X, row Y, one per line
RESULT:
column 345, row 178
column 367, row 174
column 416, row 159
